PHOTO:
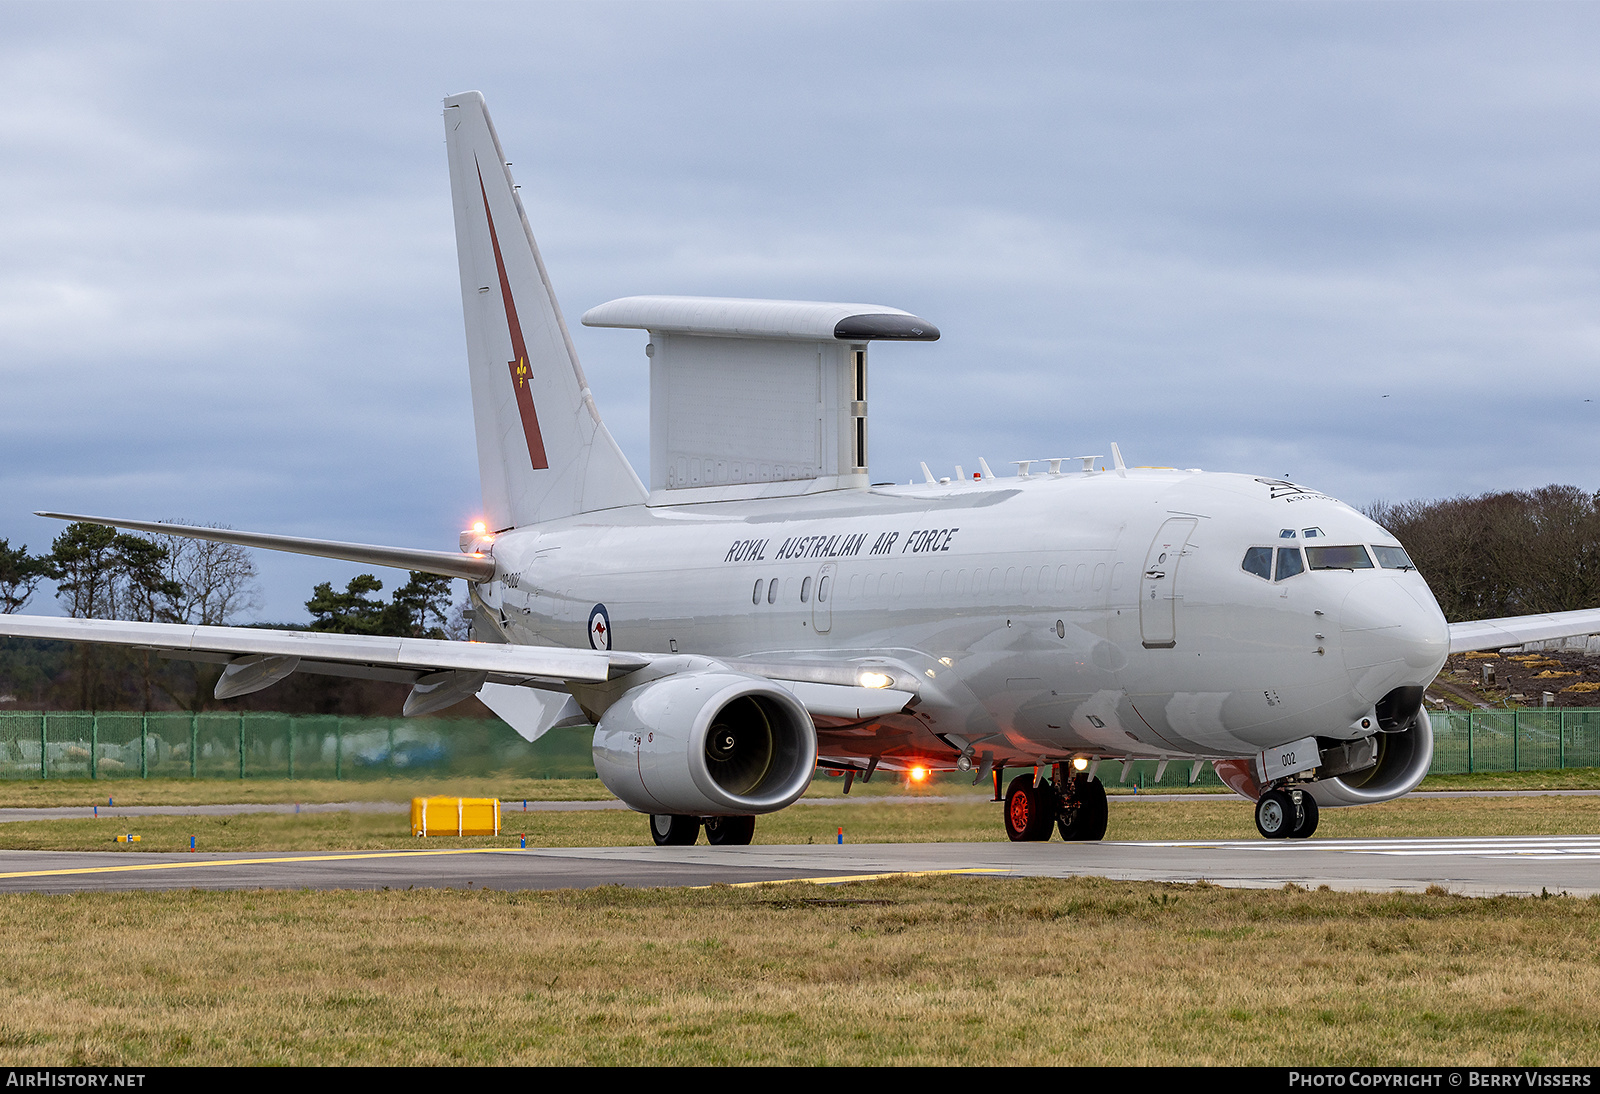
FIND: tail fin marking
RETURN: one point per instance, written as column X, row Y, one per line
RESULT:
column 520, row 373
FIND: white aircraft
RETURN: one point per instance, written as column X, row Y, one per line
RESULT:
column 763, row 609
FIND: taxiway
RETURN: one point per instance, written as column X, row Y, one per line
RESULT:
column 1470, row 866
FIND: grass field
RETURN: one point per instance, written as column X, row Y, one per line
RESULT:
column 42, row 793
column 866, row 822
column 934, row 970
column 907, row 971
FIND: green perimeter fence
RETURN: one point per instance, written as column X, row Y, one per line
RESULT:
column 222, row 745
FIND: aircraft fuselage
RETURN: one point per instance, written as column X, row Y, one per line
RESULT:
column 1105, row 613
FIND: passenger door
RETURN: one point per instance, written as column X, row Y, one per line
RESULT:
column 1158, row 588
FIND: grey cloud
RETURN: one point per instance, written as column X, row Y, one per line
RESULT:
column 1216, row 234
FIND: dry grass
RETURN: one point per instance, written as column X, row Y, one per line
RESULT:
column 513, row 788
column 910, row 971
column 1571, row 778
column 46, row 793
column 867, row 822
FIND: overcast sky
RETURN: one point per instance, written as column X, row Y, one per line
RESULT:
column 1357, row 245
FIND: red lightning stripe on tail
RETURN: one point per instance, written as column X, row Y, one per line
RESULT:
column 520, row 371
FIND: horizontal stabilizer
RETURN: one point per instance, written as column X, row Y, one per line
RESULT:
column 445, row 563
column 416, row 655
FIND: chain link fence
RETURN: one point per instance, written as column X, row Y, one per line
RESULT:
column 222, row 745
column 1465, row 741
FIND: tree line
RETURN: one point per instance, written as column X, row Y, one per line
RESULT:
column 101, row 573
column 1517, row 552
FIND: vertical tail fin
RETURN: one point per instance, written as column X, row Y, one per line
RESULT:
column 543, row 451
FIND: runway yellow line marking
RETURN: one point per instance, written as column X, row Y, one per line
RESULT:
column 836, row 879
column 253, row 861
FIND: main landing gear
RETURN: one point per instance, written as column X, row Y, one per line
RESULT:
column 1078, row 811
column 1283, row 813
column 669, row 830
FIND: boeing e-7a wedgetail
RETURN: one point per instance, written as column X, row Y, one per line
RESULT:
column 763, row 609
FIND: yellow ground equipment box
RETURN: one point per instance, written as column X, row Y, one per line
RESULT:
column 455, row 816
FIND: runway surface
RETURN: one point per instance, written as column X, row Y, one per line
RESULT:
column 1476, row 867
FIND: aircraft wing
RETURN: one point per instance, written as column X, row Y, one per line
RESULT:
column 443, row 672
column 1517, row 630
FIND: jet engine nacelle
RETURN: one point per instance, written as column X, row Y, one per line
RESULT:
column 706, row 744
column 1404, row 756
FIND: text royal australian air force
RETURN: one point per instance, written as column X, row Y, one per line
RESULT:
column 841, row 545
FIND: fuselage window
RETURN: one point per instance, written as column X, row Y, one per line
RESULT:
column 805, row 591
column 1289, row 562
column 1353, row 557
column 1393, row 558
column 755, row 597
column 1258, row 561
column 772, row 591
column 822, row 590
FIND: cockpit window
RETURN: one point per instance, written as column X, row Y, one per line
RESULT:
column 1258, row 561
column 1289, row 562
column 1393, row 558
column 1354, row 557
column 1312, row 533
column 1285, row 533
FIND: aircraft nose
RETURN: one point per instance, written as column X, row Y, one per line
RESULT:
column 1392, row 635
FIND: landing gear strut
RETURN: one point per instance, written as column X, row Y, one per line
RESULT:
column 1286, row 814
column 1079, row 813
column 730, row 831
column 1083, row 813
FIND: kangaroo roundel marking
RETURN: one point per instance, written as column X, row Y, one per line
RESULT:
column 599, row 627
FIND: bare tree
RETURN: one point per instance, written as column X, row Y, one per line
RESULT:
column 215, row 583
column 217, row 580
column 1512, row 553
column 459, row 627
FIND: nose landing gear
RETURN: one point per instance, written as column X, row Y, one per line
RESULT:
column 1286, row 814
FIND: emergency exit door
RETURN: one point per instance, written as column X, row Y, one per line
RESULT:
column 822, row 602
